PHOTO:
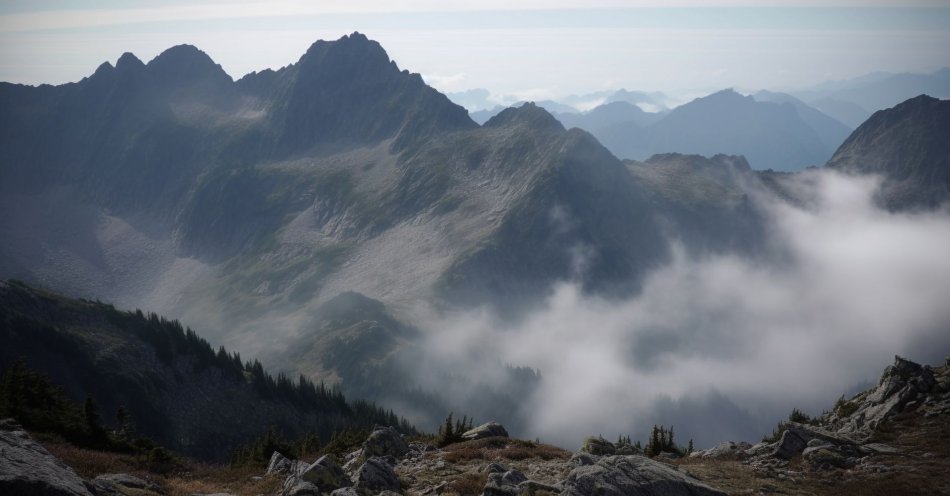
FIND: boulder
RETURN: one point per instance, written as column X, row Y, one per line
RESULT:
column 281, row 465
column 345, row 491
column 505, row 483
column 325, row 475
column 796, row 438
column 632, row 475
column 488, row 429
column 122, row 484
column 27, row 468
column 377, row 474
column 598, row 446
column 384, row 441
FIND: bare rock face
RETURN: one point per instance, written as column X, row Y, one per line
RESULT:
column 632, row 475
column 27, row 468
column 488, row 429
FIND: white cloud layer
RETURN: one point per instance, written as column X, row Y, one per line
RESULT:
column 723, row 346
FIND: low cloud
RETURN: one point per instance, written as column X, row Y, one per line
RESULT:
column 723, row 346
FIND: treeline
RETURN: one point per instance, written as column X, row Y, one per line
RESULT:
column 64, row 338
column 40, row 406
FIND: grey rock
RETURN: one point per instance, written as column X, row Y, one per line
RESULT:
column 880, row 448
column 796, row 438
column 900, row 384
column 598, row 446
column 488, row 429
column 494, row 467
column 384, row 441
column 760, row 449
column 121, row 484
column 532, row 487
column 301, row 488
column 279, row 464
column 580, row 459
column 345, row 491
column 633, row 475
column 728, row 448
column 504, row 483
column 326, row 475
column 377, row 474
column 27, row 468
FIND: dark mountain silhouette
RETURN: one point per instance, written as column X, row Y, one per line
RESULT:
column 908, row 146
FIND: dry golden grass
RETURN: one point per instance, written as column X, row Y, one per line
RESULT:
column 494, row 448
column 188, row 478
column 468, row 484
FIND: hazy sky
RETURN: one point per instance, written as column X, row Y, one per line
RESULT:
column 533, row 49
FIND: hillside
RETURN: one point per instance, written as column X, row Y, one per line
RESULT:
column 177, row 390
column 907, row 146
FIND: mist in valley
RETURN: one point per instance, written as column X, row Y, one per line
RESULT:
column 722, row 346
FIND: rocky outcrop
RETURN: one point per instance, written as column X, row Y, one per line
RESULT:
column 900, row 384
column 384, row 441
column 633, row 475
column 27, row 468
column 488, row 429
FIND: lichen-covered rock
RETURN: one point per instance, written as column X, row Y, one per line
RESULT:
column 377, row 474
column 488, row 429
column 123, row 484
column 326, row 475
column 384, row 441
column 27, row 468
column 632, row 475
column 598, row 446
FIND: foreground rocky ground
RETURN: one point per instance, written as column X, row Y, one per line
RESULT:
column 891, row 439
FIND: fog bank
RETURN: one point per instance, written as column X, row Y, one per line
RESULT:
column 723, row 346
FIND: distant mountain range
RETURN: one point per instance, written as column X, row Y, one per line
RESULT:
column 311, row 214
column 854, row 100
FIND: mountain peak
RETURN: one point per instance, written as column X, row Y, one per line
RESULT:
column 529, row 114
column 186, row 63
column 128, row 62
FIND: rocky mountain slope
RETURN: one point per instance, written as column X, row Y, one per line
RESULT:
column 240, row 206
column 907, row 145
column 890, row 439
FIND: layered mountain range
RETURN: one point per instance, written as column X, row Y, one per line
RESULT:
column 317, row 214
